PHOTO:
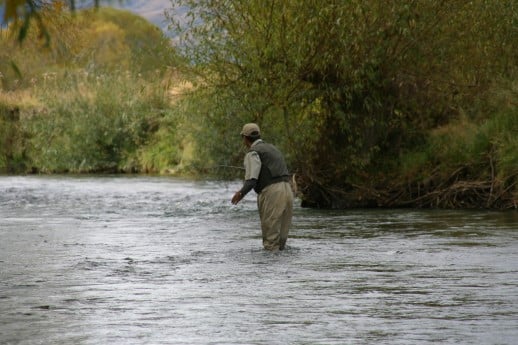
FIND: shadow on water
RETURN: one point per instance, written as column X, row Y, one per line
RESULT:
column 150, row 260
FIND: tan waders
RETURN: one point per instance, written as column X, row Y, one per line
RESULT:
column 275, row 203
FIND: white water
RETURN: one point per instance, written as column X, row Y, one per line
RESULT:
column 148, row 260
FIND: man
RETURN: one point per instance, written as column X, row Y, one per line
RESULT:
column 266, row 172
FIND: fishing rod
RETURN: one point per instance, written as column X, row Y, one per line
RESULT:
column 228, row 166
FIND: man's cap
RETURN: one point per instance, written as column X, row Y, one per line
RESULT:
column 250, row 129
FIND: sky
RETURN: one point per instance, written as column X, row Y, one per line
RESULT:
column 152, row 10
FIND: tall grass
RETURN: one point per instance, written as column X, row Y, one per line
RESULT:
column 93, row 122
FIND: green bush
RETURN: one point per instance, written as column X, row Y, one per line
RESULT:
column 94, row 122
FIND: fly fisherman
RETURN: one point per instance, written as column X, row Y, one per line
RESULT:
column 266, row 172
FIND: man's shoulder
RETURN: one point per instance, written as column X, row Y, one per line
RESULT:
column 252, row 154
column 260, row 144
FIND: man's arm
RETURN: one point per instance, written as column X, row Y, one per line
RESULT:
column 247, row 187
column 253, row 168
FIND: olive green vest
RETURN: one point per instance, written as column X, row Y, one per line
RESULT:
column 273, row 166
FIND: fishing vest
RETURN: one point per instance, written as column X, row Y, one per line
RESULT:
column 273, row 166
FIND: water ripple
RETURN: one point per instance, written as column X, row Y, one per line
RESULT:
column 152, row 260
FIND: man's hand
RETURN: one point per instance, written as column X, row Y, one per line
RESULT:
column 237, row 198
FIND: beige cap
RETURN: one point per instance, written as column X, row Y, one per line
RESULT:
column 250, row 129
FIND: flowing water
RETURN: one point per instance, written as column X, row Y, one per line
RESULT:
column 150, row 260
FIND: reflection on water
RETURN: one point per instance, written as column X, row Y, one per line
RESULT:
column 162, row 261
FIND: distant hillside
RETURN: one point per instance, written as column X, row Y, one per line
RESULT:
column 148, row 44
column 152, row 10
column 105, row 39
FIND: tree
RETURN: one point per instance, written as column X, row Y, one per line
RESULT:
column 349, row 82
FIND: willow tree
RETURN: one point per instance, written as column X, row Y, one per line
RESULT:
column 343, row 86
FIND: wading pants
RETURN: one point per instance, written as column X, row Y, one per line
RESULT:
column 275, row 203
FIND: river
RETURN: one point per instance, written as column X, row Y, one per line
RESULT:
column 155, row 260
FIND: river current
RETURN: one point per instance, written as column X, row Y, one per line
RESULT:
column 155, row 260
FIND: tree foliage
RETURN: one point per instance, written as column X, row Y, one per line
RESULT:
column 344, row 85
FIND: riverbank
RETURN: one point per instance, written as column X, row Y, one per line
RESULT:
column 435, row 126
column 452, row 193
column 460, row 166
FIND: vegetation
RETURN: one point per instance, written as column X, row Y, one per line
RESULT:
column 376, row 104
column 95, row 100
column 372, row 102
